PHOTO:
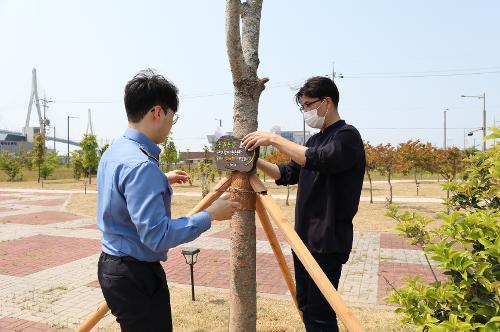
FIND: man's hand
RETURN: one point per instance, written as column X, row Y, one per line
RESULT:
column 258, row 138
column 223, row 208
column 177, row 176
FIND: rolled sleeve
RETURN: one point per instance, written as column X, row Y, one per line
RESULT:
column 145, row 188
column 338, row 155
column 289, row 174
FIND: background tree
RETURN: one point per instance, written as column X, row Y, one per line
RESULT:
column 38, row 152
column 50, row 162
column 387, row 163
column 278, row 157
column 479, row 187
column 11, row 164
column 102, row 150
column 89, row 158
column 414, row 157
column 447, row 163
column 371, row 164
column 76, row 161
column 168, row 156
column 242, row 48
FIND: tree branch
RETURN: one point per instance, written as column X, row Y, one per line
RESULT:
column 250, row 16
column 233, row 39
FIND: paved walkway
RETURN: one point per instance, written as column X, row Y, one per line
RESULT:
column 48, row 264
column 398, row 199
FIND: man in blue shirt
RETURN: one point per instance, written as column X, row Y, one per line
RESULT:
column 133, row 210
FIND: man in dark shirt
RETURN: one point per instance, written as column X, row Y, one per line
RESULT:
column 329, row 171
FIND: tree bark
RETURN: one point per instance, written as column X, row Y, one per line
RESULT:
column 242, row 48
column 390, row 187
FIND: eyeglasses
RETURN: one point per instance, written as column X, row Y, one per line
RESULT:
column 309, row 104
column 175, row 117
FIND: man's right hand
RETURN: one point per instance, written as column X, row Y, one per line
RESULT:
column 223, row 208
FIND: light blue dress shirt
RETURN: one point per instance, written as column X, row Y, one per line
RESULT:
column 134, row 198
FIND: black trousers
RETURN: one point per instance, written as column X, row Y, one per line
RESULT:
column 136, row 292
column 317, row 312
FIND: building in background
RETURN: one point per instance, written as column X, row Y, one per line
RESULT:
column 14, row 142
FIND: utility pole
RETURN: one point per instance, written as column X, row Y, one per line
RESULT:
column 54, row 139
column 483, row 97
column 334, row 73
column 67, row 159
column 45, row 121
column 444, row 112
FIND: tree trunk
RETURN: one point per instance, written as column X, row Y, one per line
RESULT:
column 416, row 181
column 390, row 187
column 242, row 47
column 371, row 189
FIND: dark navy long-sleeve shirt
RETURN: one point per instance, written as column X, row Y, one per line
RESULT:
column 329, row 188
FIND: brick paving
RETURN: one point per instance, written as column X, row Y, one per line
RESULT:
column 48, row 264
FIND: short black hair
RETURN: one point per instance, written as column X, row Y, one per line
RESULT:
column 146, row 90
column 319, row 87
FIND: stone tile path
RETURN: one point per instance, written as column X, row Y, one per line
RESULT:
column 48, row 264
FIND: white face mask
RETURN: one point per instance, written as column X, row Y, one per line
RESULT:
column 312, row 118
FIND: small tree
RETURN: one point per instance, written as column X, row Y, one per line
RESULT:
column 89, row 157
column 466, row 246
column 168, row 156
column 49, row 165
column 11, row 164
column 38, row 152
column 387, row 163
column 76, row 160
column 278, row 157
column 206, row 170
column 371, row 165
column 447, row 163
column 414, row 157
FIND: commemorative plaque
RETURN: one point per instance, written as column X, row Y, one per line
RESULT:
column 230, row 155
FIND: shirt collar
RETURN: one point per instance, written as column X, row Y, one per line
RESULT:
column 144, row 141
column 334, row 126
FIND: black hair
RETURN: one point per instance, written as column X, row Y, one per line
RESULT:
column 146, row 90
column 319, row 87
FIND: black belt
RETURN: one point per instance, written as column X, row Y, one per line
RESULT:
column 125, row 259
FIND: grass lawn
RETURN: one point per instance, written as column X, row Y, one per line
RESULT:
column 210, row 312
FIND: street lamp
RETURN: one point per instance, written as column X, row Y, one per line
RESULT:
column 67, row 159
column 191, row 256
column 220, row 122
column 483, row 97
column 446, row 110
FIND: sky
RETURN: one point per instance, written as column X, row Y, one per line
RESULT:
column 403, row 63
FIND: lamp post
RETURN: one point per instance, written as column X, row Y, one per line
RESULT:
column 220, row 122
column 67, row 158
column 483, row 97
column 444, row 112
column 191, row 256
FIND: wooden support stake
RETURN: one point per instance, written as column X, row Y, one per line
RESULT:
column 103, row 308
column 312, row 267
column 278, row 253
column 219, row 188
column 94, row 318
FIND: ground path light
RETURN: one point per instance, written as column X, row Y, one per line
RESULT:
column 191, row 256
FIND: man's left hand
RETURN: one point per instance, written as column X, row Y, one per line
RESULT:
column 177, row 176
column 258, row 138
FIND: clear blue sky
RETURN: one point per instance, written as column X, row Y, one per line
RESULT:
column 85, row 51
